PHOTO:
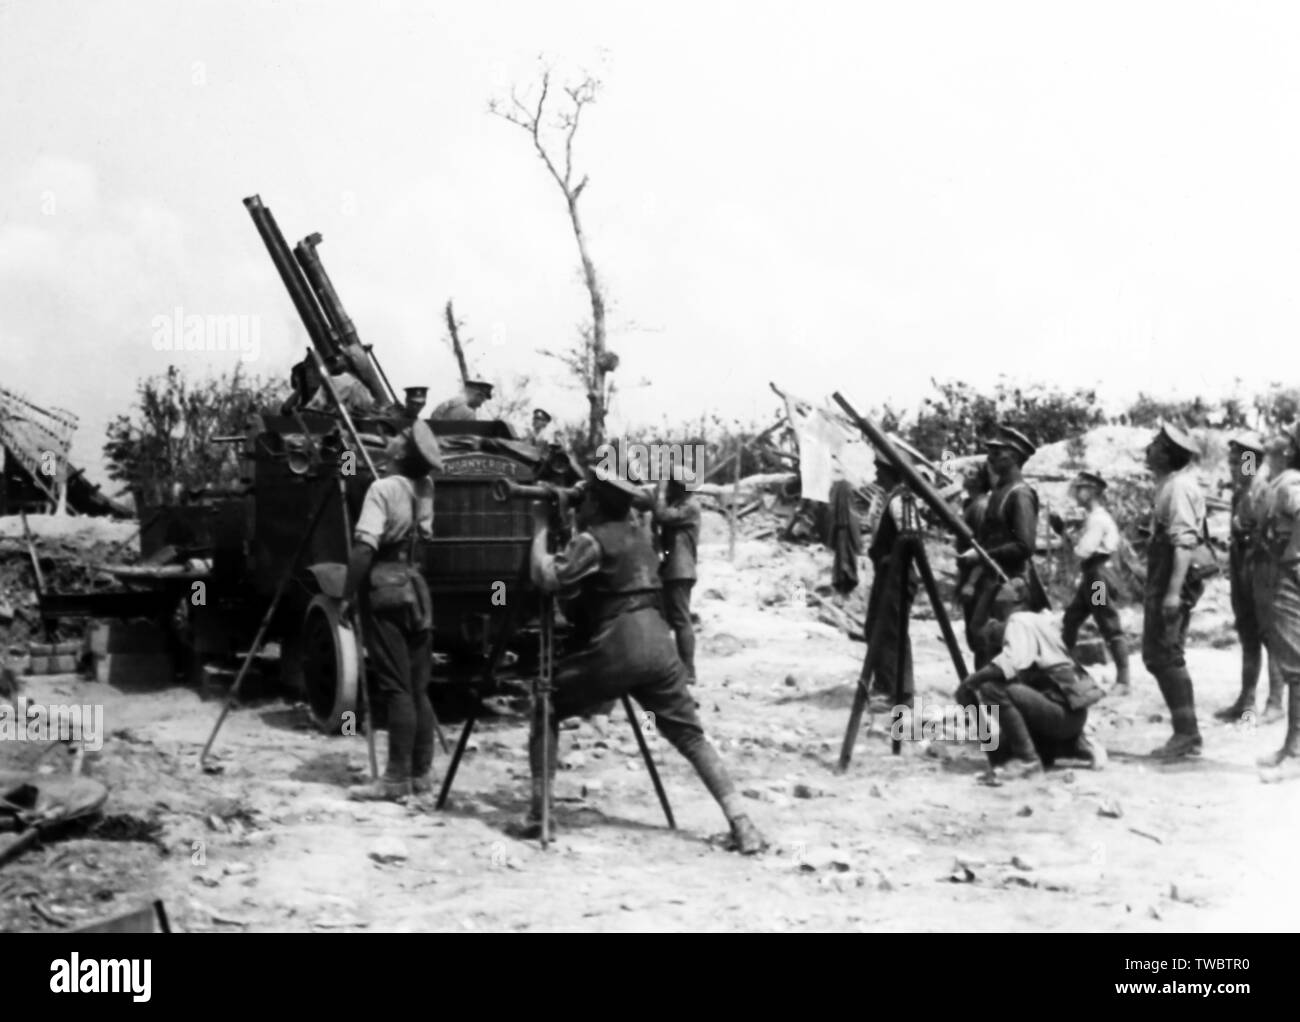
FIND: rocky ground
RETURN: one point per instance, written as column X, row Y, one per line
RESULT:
column 906, row 842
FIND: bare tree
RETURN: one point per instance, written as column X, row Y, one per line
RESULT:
column 552, row 132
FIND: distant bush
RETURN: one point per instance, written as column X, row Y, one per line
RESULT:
column 163, row 447
column 959, row 417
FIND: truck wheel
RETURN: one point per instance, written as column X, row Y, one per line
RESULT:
column 330, row 661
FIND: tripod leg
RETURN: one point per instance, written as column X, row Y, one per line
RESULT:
column 545, row 676
column 455, row 759
column 868, row 669
column 904, row 635
column 280, row 588
column 940, row 613
column 442, row 737
column 545, row 697
column 649, row 763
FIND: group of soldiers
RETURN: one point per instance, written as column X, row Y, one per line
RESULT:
column 625, row 579
column 1024, row 661
column 626, row 574
column 308, row 390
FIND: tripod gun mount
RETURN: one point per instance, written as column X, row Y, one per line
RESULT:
column 908, row 552
column 560, row 498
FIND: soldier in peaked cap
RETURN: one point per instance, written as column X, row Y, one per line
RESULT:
column 396, row 513
column 415, row 401
column 1250, row 485
column 1099, row 592
column 1177, row 567
column 464, row 406
column 1008, row 533
column 611, row 571
column 542, row 431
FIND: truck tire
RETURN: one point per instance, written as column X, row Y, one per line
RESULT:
column 330, row 662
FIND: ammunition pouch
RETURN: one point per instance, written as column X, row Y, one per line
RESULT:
column 391, row 587
column 1204, row 564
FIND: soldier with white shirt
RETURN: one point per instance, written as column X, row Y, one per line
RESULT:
column 1099, row 590
column 1041, row 693
column 394, row 598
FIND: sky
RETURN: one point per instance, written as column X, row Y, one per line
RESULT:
column 852, row 197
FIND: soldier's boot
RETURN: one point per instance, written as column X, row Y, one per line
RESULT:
column 745, row 837
column 1291, row 745
column 1176, row 686
column 1091, row 752
column 1118, row 647
column 382, row 790
column 1276, row 689
column 1251, row 660
column 1015, row 742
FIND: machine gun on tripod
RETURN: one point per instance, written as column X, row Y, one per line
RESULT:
column 908, row 551
column 559, row 499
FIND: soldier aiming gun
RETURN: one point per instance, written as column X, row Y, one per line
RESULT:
column 610, row 569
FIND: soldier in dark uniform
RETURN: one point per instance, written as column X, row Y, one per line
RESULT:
column 1250, row 477
column 1280, row 542
column 1008, row 533
column 1173, row 586
column 977, row 485
column 398, row 612
column 416, row 397
column 885, row 597
column 611, row 570
column 677, row 517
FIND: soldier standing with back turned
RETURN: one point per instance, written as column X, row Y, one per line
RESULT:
column 398, row 612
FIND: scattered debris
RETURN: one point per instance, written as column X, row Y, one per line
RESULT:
column 388, row 850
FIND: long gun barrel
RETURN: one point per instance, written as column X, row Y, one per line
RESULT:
column 918, row 484
column 508, row 489
column 323, row 338
column 360, row 360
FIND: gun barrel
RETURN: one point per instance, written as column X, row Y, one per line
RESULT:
column 917, row 482
column 323, row 338
column 362, row 363
column 508, row 489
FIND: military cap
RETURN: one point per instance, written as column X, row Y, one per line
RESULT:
column 1179, row 438
column 421, row 441
column 1248, row 441
column 480, row 385
column 1005, row 436
column 416, row 393
column 1090, row 479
